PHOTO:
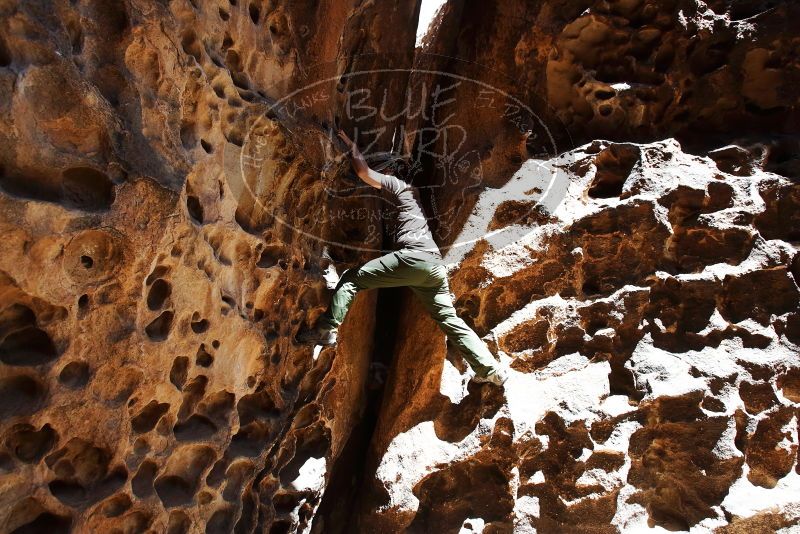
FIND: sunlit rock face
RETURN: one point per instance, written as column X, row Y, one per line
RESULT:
column 651, row 329
column 166, row 232
column 642, row 288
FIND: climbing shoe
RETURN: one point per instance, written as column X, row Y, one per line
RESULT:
column 318, row 336
column 497, row 377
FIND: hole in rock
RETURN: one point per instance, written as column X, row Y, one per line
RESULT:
column 280, row 527
column 27, row 346
column 76, row 494
column 140, row 446
column 199, row 326
column 192, row 394
column 116, row 506
column 229, row 301
column 158, row 294
column 196, row 428
column 179, row 523
column 28, row 444
column 87, row 189
column 268, row 258
column 249, row 514
column 75, row 33
column 6, row 463
column 614, row 165
column 235, row 478
column 206, row 146
column 159, row 328
column 251, row 440
column 257, row 406
column 255, row 13
column 195, row 209
column 241, row 81
column 30, row 186
column 603, row 94
column 188, row 135
column 22, row 395
column 284, row 503
column 5, row 55
column 227, row 41
column 314, row 445
column 233, row 61
column 146, row 420
column 192, row 47
column 218, row 406
column 235, row 137
column 221, row 522
column 180, row 484
column 112, row 16
column 179, row 371
column 437, row 508
column 174, row 491
column 142, row 481
column 217, row 473
column 158, row 272
column 74, row 375
column 203, row 358
column 46, row 522
column 87, row 261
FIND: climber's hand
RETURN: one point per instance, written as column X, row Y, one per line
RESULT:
column 347, row 141
column 359, row 163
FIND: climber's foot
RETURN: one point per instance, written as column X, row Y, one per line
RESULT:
column 318, row 336
column 497, row 377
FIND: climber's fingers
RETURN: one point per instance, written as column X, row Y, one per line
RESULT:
column 343, row 137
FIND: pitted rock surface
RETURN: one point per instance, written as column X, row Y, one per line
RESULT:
column 651, row 354
column 150, row 380
column 158, row 259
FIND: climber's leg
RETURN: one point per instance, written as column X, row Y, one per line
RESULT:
column 435, row 296
column 391, row 270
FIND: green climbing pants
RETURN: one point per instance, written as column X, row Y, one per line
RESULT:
column 427, row 278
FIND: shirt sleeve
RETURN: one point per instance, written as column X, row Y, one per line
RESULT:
column 391, row 184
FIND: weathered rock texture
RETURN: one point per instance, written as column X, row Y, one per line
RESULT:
column 149, row 378
column 653, row 336
column 160, row 219
column 634, row 69
column 646, row 297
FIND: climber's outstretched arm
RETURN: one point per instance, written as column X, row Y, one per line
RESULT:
column 363, row 171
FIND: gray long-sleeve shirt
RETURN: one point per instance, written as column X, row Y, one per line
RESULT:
column 405, row 219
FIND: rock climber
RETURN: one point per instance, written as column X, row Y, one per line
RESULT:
column 418, row 264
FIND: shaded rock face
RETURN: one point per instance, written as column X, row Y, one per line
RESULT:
column 634, row 69
column 162, row 216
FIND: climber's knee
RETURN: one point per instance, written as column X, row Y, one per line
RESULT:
column 448, row 320
column 351, row 277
